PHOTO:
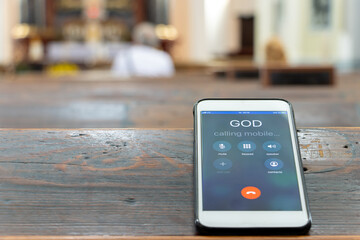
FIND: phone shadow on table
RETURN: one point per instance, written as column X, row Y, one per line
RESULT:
column 253, row 231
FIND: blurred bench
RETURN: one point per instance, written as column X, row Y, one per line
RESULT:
column 298, row 75
column 237, row 72
column 139, row 182
column 278, row 74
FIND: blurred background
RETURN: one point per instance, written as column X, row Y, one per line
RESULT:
column 144, row 63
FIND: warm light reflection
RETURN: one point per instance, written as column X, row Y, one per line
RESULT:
column 166, row 32
column 21, row 31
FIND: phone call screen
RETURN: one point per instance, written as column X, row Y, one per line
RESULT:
column 248, row 162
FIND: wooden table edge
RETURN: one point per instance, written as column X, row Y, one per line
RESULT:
column 150, row 129
column 317, row 237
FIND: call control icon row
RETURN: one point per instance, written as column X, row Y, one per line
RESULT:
column 247, row 146
column 225, row 164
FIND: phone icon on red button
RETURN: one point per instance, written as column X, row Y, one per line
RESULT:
column 250, row 192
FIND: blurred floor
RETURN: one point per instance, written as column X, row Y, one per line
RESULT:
column 95, row 99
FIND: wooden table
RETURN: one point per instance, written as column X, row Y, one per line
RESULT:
column 97, row 100
column 116, row 183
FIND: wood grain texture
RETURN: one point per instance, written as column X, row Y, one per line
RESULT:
column 138, row 182
column 98, row 99
column 327, row 237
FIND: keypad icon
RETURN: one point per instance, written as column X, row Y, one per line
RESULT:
column 247, row 146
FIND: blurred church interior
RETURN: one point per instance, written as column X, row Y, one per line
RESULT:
column 144, row 63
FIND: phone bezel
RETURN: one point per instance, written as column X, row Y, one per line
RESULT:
column 249, row 219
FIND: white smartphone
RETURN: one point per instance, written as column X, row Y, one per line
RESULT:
column 248, row 170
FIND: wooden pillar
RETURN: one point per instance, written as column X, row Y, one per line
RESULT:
column 9, row 17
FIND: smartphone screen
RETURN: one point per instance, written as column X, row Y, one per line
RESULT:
column 248, row 162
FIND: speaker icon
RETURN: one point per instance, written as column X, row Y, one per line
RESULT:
column 272, row 146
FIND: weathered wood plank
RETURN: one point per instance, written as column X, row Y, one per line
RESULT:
column 94, row 100
column 139, row 181
column 338, row 237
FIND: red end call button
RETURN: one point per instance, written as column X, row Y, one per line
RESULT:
column 250, row 192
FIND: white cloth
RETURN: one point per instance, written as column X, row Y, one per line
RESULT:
column 142, row 61
column 83, row 53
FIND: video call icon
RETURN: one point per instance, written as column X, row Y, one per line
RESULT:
column 247, row 146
